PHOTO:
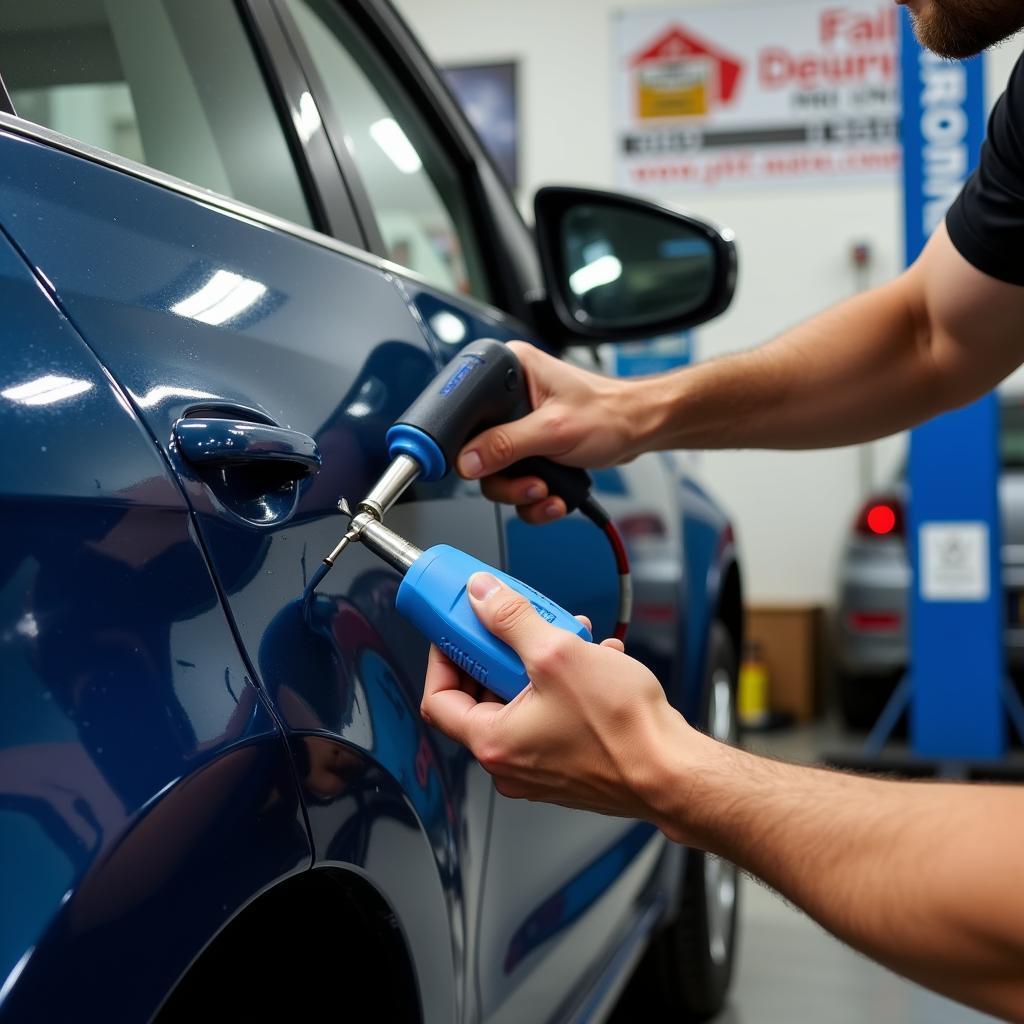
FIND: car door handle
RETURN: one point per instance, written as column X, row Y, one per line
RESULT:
column 208, row 441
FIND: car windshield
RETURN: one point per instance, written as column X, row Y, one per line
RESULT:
column 1011, row 435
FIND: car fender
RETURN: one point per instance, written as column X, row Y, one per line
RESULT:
column 383, row 792
column 146, row 792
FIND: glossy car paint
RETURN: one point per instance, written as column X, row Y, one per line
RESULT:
column 333, row 351
column 335, row 348
column 146, row 788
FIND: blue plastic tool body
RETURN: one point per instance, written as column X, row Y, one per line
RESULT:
column 433, row 598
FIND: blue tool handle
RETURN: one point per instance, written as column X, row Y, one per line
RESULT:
column 433, row 598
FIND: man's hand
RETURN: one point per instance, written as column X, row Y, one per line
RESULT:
column 578, row 419
column 583, row 733
column 922, row 877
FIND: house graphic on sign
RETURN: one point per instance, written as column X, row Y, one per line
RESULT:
column 680, row 75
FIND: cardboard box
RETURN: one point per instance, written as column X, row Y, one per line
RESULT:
column 789, row 640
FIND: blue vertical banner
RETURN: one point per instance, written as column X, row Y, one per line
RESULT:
column 956, row 610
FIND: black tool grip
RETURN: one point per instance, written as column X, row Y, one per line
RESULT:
column 484, row 385
column 570, row 484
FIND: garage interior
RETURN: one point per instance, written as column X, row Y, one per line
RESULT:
column 882, row 609
column 802, row 519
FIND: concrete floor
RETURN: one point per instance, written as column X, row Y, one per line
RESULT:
column 790, row 970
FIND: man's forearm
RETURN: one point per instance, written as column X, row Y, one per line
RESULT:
column 938, row 336
column 925, row 878
column 856, row 372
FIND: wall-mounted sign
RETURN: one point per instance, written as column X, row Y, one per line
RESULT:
column 732, row 95
column 954, row 561
column 656, row 355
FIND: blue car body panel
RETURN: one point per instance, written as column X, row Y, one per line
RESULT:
column 145, row 788
column 166, row 598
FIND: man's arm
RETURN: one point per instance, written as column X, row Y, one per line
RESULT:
column 925, row 878
column 922, row 877
column 938, row 336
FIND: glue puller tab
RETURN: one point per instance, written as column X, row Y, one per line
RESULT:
column 433, row 597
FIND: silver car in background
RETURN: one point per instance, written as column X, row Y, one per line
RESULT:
column 872, row 648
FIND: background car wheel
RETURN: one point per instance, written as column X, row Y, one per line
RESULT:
column 686, row 973
column 862, row 698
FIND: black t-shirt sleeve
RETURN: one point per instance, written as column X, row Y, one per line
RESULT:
column 986, row 221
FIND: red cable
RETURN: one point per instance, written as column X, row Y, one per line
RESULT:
column 600, row 518
column 625, row 581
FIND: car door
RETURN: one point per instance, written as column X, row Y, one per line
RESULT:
column 145, row 787
column 561, row 885
column 208, row 310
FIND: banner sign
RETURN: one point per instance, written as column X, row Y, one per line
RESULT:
column 944, row 127
column 957, row 611
column 732, row 95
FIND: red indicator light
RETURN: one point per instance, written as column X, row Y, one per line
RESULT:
column 881, row 519
column 880, row 516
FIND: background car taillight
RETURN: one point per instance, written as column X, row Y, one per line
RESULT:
column 880, row 517
column 874, row 621
column 641, row 526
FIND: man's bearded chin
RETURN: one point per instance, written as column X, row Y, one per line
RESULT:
column 963, row 28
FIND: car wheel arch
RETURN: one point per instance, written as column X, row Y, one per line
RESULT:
column 289, row 928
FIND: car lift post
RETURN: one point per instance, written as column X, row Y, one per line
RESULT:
column 956, row 689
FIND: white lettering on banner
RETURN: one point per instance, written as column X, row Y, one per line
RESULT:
column 723, row 95
column 944, row 128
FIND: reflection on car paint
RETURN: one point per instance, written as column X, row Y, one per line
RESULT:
column 139, row 769
column 331, row 671
column 574, row 898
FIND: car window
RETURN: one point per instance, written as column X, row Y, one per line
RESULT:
column 414, row 187
column 170, row 83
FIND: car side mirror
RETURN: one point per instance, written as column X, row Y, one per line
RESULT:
column 618, row 268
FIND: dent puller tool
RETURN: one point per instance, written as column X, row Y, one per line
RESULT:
column 433, row 597
column 483, row 386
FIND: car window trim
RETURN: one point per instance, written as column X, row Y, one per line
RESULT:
column 335, row 132
column 330, row 200
column 426, row 88
column 11, row 124
column 6, row 104
column 393, row 57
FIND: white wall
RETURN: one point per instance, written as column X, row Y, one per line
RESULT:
column 791, row 510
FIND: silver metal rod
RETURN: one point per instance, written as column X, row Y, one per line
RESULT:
column 342, row 544
column 385, row 543
column 391, row 486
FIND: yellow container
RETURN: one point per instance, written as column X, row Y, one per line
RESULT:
column 752, row 698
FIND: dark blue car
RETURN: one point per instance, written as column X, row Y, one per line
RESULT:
column 268, row 217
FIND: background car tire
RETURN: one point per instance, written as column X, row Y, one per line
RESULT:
column 862, row 698
column 686, row 972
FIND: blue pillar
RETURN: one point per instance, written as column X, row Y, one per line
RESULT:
column 956, row 608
